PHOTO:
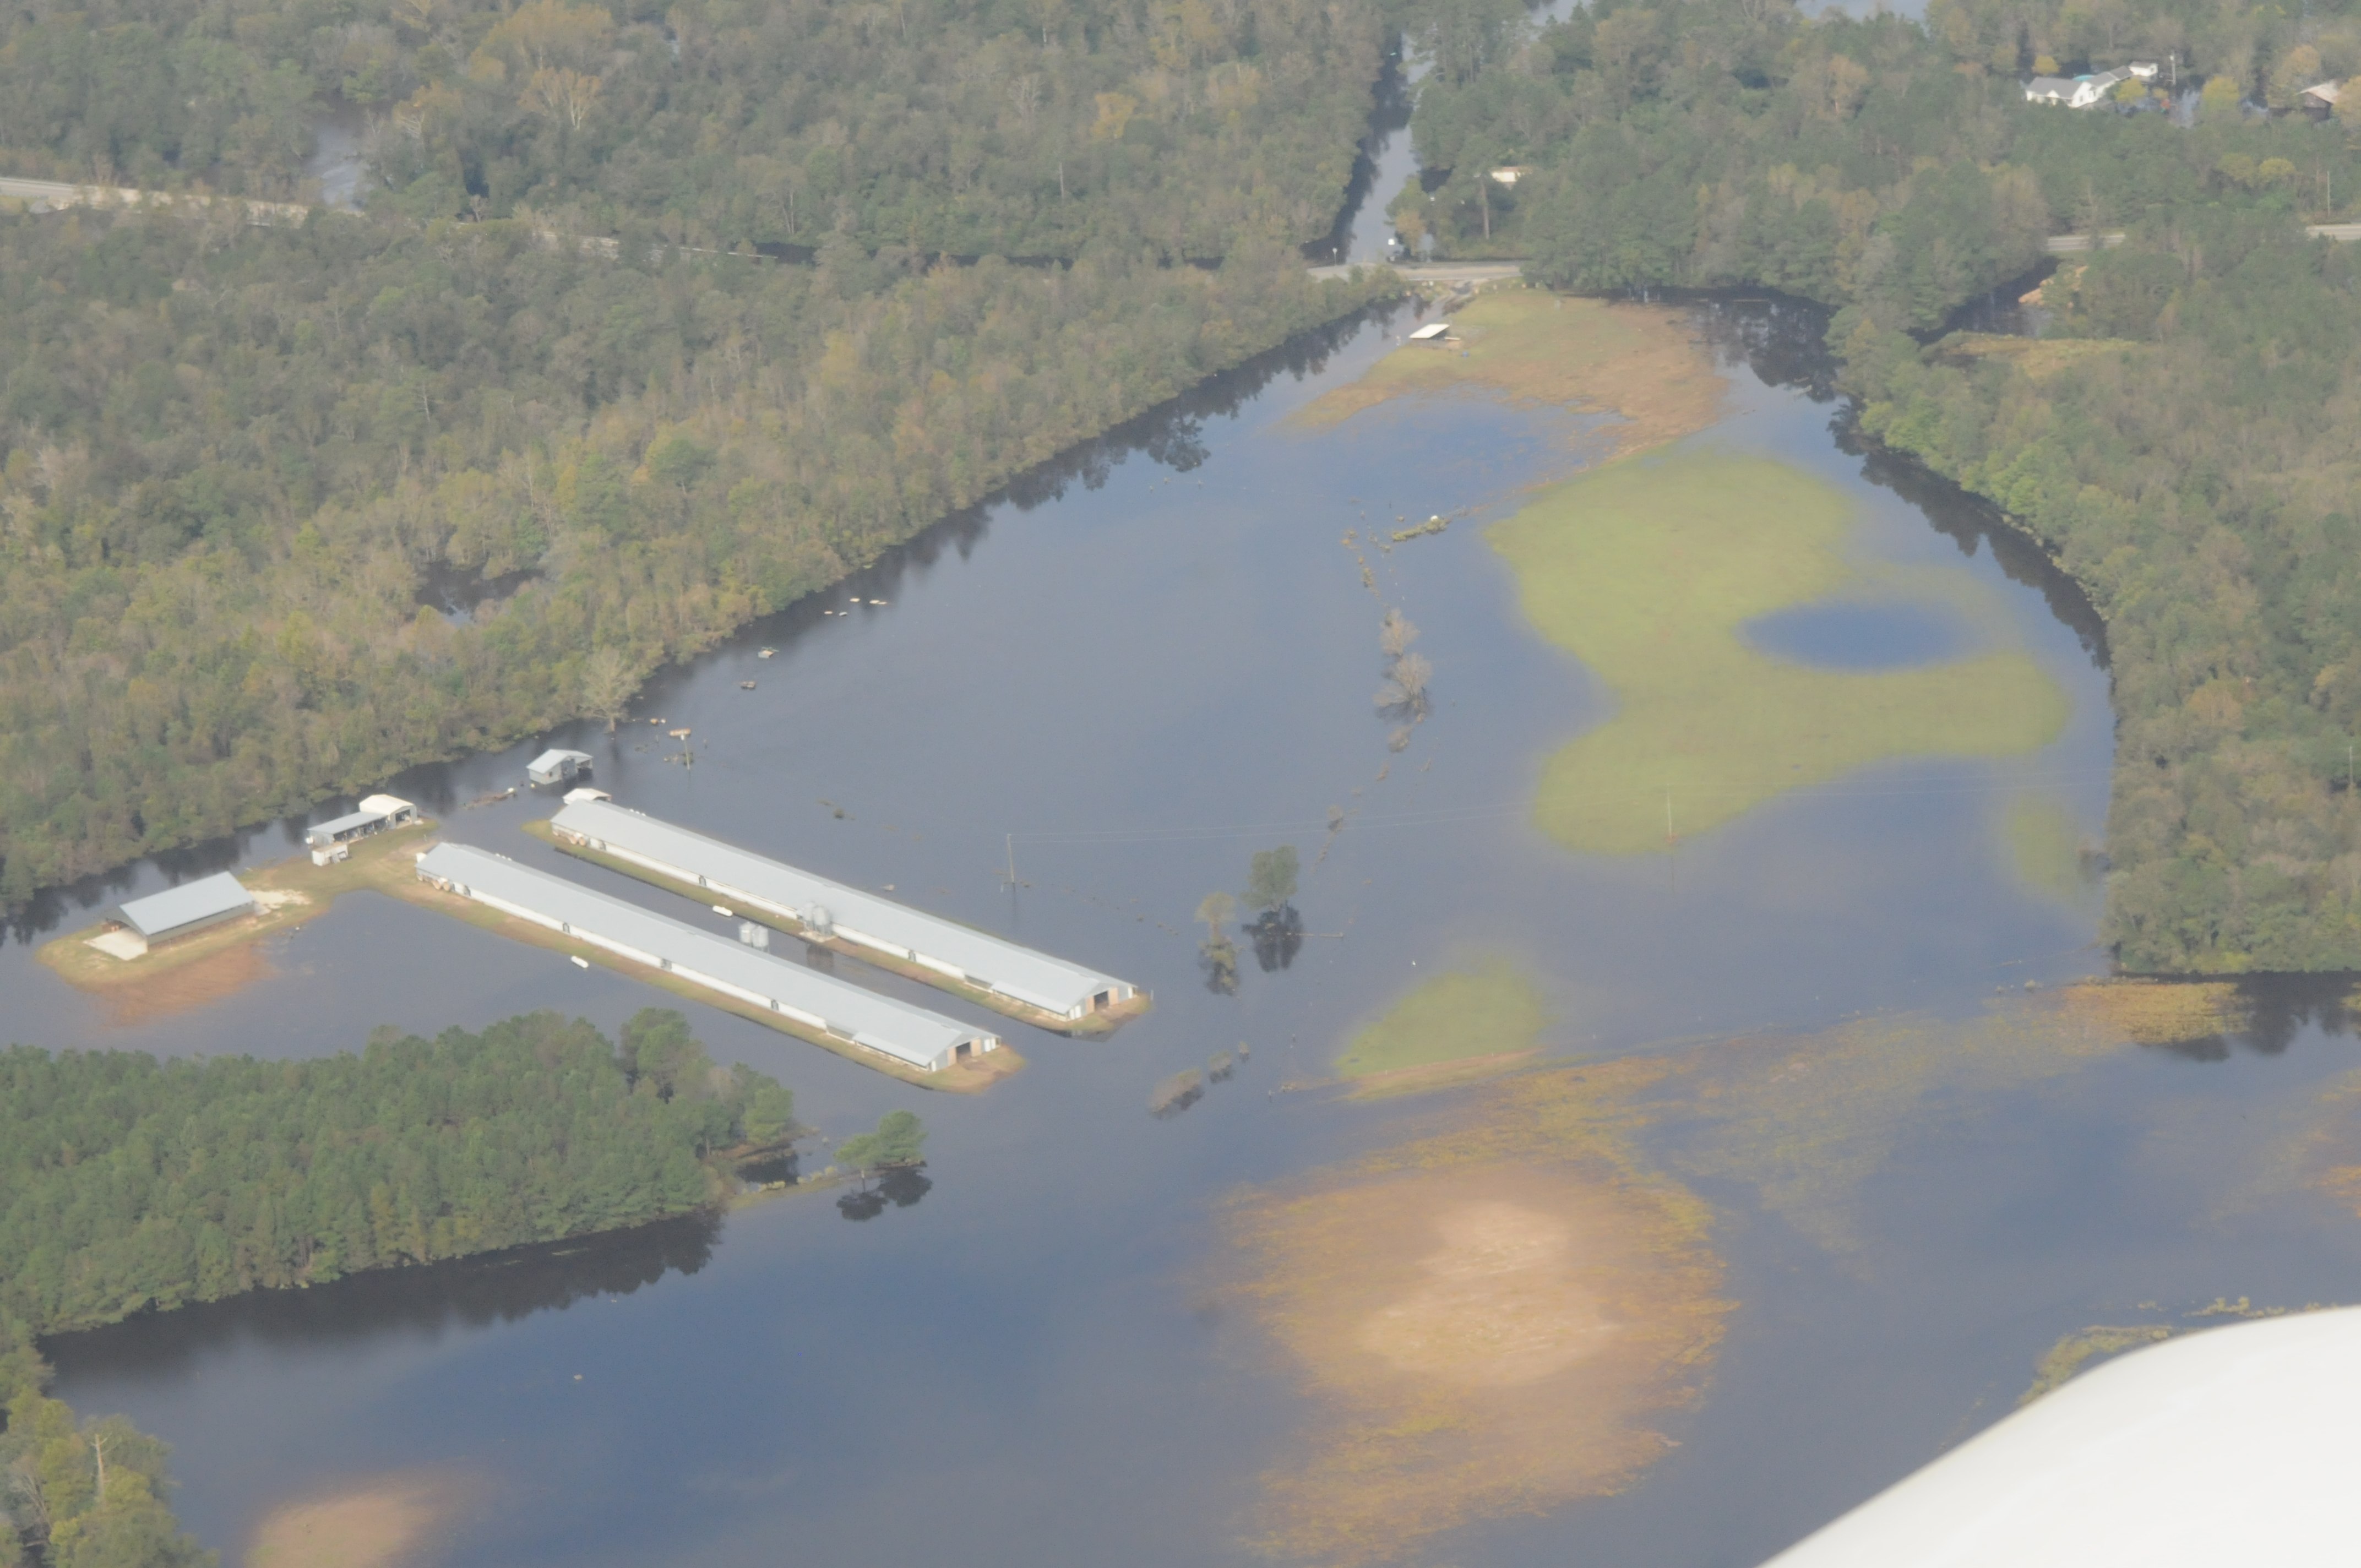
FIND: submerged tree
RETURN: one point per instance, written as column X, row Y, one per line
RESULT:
column 1277, row 931
column 899, row 1140
column 607, row 683
column 1217, row 952
column 1271, row 877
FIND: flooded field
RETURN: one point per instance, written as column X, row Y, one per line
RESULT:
column 1849, row 1158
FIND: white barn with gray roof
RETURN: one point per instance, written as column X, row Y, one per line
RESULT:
column 749, row 881
column 818, row 1002
column 184, row 910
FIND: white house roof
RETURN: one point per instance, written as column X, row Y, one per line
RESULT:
column 2325, row 91
column 1430, row 331
column 161, row 913
column 1030, row 976
column 557, row 757
column 905, row 1033
column 385, row 805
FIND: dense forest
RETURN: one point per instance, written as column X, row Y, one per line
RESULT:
column 2182, row 440
column 129, row 1184
column 78, row 1493
column 233, row 458
column 1007, row 127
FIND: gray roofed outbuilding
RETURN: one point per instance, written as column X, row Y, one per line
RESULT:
column 821, row 1002
column 190, row 907
column 749, row 880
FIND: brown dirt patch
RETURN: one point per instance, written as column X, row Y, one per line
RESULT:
column 1641, row 362
column 199, row 983
column 1488, row 1319
column 381, row 1523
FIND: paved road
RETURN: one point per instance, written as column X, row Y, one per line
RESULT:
column 1443, row 271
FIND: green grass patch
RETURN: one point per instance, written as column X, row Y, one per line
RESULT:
column 1489, row 1012
column 1646, row 571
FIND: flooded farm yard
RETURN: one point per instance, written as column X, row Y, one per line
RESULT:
column 1831, row 1163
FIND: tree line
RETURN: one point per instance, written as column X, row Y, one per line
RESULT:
column 129, row 1184
column 79, row 1494
column 1880, row 162
column 231, row 458
column 1009, row 127
column 2178, row 443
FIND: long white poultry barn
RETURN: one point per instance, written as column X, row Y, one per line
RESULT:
column 830, row 908
column 819, row 1002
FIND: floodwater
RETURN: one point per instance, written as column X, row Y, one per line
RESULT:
column 1148, row 661
column 1861, row 636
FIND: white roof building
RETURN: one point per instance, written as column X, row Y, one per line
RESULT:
column 183, row 910
column 749, row 881
column 819, row 1002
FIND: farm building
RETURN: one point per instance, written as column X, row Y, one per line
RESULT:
column 182, row 911
column 818, row 1002
column 557, row 767
column 826, row 908
column 377, row 813
column 1432, row 333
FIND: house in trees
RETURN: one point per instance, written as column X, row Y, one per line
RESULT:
column 2086, row 92
column 331, row 840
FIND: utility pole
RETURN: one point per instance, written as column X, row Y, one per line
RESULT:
column 1011, row 859
column 1668, row 815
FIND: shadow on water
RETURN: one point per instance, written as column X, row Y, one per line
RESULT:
column 2278, row 1008
column 469, row 1292
column 1784, row 342
column 896, row 1189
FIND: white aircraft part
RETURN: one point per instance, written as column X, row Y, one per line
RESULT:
column 2235, row 1445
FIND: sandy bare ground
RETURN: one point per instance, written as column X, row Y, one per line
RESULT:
column 392, row 1521
column 199, row 983
column 1493, row 1325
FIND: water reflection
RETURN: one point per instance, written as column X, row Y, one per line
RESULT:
column 1858, row 636
column 2278, row 1009
column 899, row 1189
column 430, row 1298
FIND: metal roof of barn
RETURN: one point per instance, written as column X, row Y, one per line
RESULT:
column 1033, row 977
column 207, row 898
column 337, row 825
column 901, row 1031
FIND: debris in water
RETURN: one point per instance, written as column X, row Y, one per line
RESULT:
column 581, row 963
column 745, row 685
column 1220, row 1067
column 767, row 653
column 1176, row 1093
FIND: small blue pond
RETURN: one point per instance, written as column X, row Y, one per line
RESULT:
column 1861, row 636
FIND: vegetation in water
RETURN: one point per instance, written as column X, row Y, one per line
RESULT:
column 1176, row 1093
column 1477, row 1015
column 2047, row 850
column 2076, row 1351
column 2178, row 444
column 1527, row 346
column 1647, row 570
column 899, row 1139
column 129, row 1184
column 79, row 1494
column 1218, row 954
column 1493, row 1317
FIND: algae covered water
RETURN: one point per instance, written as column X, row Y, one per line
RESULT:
column 1156, row 657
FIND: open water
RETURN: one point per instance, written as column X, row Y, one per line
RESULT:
column 1145, row 663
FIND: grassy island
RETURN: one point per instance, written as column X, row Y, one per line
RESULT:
column 1647, row 570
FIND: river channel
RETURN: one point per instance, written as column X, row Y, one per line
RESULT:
column 1143, row 664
